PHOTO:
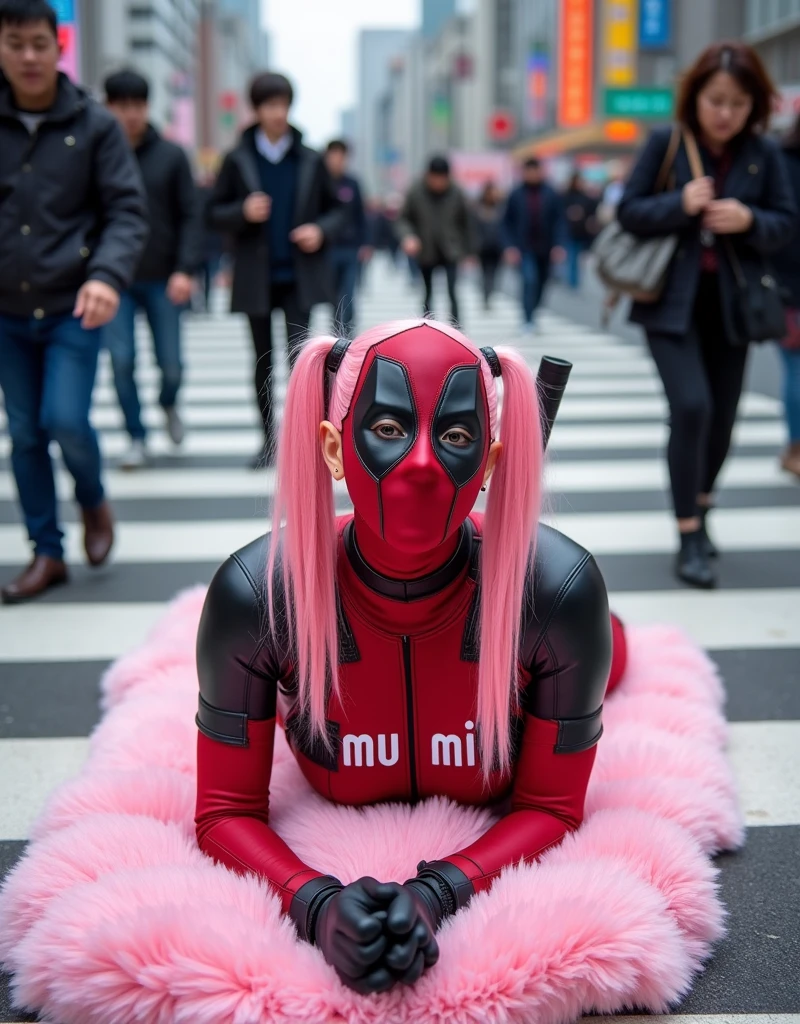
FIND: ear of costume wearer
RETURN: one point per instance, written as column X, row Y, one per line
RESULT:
column 416, row 580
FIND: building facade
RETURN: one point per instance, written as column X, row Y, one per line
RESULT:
column 377, row 50
column 160, row 41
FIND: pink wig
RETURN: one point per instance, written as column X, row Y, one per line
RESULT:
column 307, row 549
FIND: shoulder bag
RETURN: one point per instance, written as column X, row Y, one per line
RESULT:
column 633, row 265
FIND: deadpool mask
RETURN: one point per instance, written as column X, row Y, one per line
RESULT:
column 416, row 438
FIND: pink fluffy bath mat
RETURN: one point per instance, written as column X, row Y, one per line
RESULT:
column 114, row 916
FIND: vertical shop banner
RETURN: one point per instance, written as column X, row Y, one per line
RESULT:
column 619, row 42
column 68, row 36
column 655, row 24
column 575, row 65
column 538, row 79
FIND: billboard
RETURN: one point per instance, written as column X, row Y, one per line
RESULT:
column 575, row 72
column 655, row 24
column 619, row 42
column 67, row 14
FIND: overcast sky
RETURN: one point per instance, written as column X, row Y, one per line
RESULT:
column 314, row 42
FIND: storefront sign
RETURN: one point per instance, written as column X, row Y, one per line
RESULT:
column 68, row 36
column 619, row 42
column 656, row 102
column 575, row 72
column 655, row 24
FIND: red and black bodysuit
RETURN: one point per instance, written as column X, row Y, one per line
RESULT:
column 408, row 652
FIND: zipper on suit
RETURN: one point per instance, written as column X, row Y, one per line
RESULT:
column 412, row 753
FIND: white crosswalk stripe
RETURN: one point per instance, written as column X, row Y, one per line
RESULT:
column 606, row 482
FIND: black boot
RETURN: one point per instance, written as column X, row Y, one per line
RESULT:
column 692, row 564
column 711, row 550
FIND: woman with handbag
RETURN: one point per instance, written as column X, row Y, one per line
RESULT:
column 728, row 204
column 787, row 267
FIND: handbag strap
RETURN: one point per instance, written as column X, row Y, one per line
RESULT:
column 698, row 171
column 669, row 160
column 693, row 153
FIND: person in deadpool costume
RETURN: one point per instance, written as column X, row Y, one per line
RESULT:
column 413, row 649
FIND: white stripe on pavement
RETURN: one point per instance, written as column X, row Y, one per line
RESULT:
column 573, row 409
column 718, row 619
column 31, row 769
column 765, row 755
column 568, row 477
column 723, row 619
column 566, row 436
column 602, row 533
column 75, row 632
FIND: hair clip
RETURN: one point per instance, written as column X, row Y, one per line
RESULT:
column 492, row 359
column 336, row 355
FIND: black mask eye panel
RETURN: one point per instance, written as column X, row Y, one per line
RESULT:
column 461, row 405
column 385, row 394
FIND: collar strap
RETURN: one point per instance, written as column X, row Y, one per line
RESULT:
column 492, row 359
column 409, row 590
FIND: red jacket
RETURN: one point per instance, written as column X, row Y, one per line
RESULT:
column 408, row 669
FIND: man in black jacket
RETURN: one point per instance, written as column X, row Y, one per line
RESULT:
column 534, row 233
column 351, row 246
column 163, row 283
column 275, row 197
column 72, row 227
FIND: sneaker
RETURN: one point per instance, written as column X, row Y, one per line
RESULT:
column 174, row 425
column 135, row 457
column 527, row 330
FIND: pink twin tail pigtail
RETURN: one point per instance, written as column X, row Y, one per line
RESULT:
column 510, row 523
column 305, row 547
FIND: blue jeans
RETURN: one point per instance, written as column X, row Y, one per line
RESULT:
column 535, row 269
column 345, row 267
column 47, row 371
column 574, row 252
column 120, row 338
column 791, row 391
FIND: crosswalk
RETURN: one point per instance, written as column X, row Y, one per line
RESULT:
column 606, row 485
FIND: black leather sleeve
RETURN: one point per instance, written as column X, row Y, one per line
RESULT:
column 238, row 661
column 566, row 640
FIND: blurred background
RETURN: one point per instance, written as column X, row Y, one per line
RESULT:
column 579, row 81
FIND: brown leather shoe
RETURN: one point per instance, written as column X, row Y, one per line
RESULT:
column 790, row 460
column 98, row 536
column 43, row 572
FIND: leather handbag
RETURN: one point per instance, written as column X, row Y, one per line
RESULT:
column 632, row 265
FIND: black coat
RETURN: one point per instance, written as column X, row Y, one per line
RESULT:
column 787, row 260
column 71, row 203
column 316, row 203
column 516, row 220
column 757, row 178
column 175, row 242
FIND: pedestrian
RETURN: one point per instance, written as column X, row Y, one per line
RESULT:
column 741, row 209
column 787, row 266
column 580, row 210
column 534, row 235
column 163, row 285
column 351, row 247
column 435, row 229
column 213, row 245
column 488, row 215
column 275, row 198
column 72, row 228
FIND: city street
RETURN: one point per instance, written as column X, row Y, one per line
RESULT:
column 179, row 518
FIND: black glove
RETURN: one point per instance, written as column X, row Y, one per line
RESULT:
column 348, row 926
column 411, row 922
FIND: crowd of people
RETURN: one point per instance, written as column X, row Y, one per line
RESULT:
column 102, row 219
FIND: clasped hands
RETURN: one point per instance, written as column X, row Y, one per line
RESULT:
column 375, row 934
column 722, row 216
